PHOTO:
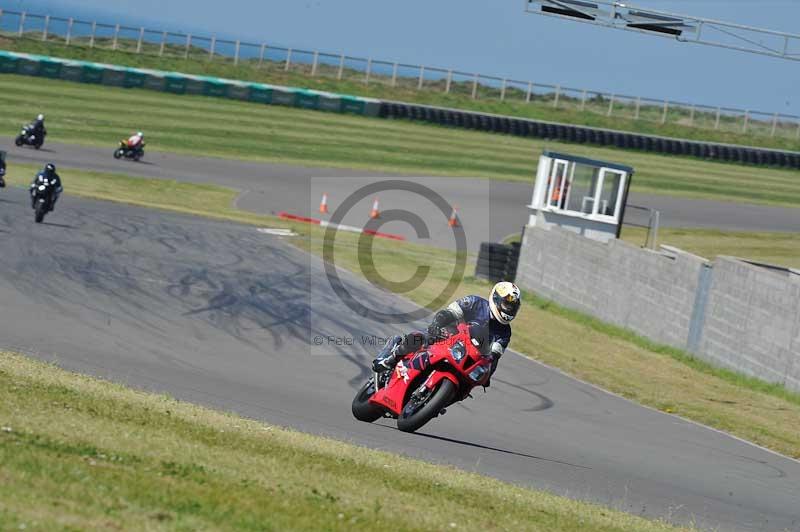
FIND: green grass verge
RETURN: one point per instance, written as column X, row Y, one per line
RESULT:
column 78, row 453
column 99, row 116
column 778, row 248
column 595, row 113
column 608, row 356
column 782, row 249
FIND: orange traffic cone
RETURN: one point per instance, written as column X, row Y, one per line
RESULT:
column 323, row 204
column 453, row 221
column 375, row 213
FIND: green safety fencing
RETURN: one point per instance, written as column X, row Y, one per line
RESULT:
column 178, row 83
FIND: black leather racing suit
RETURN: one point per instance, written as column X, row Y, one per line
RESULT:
column 472, row 310
column 52, row 179
column 39, row 129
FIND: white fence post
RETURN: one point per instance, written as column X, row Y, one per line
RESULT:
column 261, row 54
column 288, row 60
column 638, row 108
column 716, row 121
column 746, row 121
column 69, row 31
column 22, row 24
column 666, row 110
column 475, row 87
column 394, row 75
column 91, row 38
column 116, row 37
column 449, row 81
column 530, row 90
column 163, row 43
column 46, row 27
column 555, row 99
column 314, row 64
column 140, row 41
column 611, row 105
column 774, row 124
column 503, row 90
column 340, row 73
column 211, row 48
column 421, row 77
column 368, row 72
column 236, row 53
column 584, row 94
column 691, row 116
column 188, row 46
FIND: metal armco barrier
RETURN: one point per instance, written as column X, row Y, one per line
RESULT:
column 177, row 83
column 523, row 127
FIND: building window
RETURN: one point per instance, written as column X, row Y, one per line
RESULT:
column 577, row 188
column 609, row 193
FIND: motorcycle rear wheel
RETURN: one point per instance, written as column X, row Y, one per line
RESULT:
column 412, row 419
column 363, row 410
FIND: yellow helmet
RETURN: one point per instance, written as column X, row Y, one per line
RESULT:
column 505, row 302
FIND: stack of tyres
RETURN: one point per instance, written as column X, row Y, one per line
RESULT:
column 497, row 262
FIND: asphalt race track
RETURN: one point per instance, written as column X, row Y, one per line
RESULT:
column 223, row 315
column 489, row 210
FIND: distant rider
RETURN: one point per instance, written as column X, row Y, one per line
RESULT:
column 136, row 142
column 37, row 127
column 494, row 315
column 47, row 176
column 2, row 171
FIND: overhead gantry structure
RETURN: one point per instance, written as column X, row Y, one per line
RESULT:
column 683, row 28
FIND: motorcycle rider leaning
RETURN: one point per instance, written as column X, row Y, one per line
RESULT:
column 136, row 142
column 38, row 127
column 493, row 315
column 48, row 176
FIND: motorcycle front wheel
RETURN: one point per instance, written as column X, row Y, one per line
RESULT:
column 41, row 209
column 19, row 140
column 363, row 410
column 118, row 153
column 416, row 413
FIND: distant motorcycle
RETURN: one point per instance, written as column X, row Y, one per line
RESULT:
column 43, row 195
column 125, row 151
column 27, row 137
column 2, row 175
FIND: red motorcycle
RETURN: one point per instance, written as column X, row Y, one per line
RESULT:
column 426, row 382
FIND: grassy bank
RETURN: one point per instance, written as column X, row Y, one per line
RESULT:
column 79, row 453
column 782, row 249
column 607, row 356
column 95, row 115
column 352, row 82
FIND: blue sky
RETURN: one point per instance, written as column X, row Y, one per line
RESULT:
column 495, row 37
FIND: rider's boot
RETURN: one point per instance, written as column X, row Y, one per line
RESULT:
column 387, row 358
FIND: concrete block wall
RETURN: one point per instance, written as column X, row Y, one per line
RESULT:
column 752, row 322
column 732, row 313
column 652, row 293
